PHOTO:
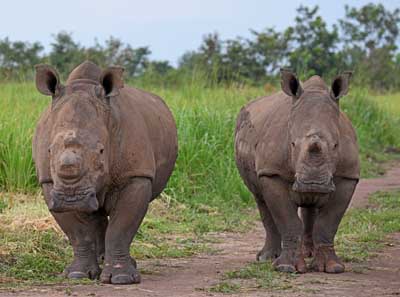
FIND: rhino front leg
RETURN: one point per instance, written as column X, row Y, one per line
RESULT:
column 125, row 218
column 83, row 231
column 288, row 223
column 308, row 216
column 326, row 225
column 272, row 246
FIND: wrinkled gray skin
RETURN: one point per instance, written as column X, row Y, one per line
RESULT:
column 296, row 150
column 102, row 152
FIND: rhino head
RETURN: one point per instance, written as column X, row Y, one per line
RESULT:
column 313, row 131
column 79, row 132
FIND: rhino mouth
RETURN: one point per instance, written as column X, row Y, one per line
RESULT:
column 81, row 201
column 323, row 184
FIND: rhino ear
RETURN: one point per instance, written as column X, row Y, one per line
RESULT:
column 112, row 80
column 340, row 85
column 290, row 84
column 47, row 80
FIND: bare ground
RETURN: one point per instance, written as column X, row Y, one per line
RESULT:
column 192, row 276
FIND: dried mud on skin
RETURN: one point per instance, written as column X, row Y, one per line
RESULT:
column 190, row 276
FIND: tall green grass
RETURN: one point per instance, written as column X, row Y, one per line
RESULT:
column 20, row 107
column 376, row 126
column 205, row 116
column 205, row 170
column 390, row 102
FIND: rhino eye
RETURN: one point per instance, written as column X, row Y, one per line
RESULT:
column 335, row 146
column 293, row 144
column 101, row 151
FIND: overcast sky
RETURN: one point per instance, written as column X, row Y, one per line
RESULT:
column 168, row 27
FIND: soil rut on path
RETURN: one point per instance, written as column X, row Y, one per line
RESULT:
column 189, row 276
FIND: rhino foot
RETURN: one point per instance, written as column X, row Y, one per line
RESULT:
column 290, row 261
column 326, row 260
column 308, row 247
column 120, row 273
column 268, row 253
column 80, row 268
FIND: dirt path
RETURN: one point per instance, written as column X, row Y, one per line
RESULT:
column 189, row 276
column 366, row 187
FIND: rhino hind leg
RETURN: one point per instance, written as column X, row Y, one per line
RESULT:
column 272, row 246
column 288, row 223
column 125, row 218
column 308, row 216
column 326, row 225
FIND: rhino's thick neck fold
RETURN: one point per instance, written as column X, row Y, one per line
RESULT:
column 85, row 201
column 85, row 71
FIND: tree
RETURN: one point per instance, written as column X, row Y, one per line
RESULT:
column 207, row 59
column 211, row 49
column 269, row 49
column 115, row 52
column 189, row 60
column 159, row 67
column 96, row 54
column 238, row 61
column 134, row 60
column 370, row 27
column 371, row 34
column 312, row 45
column 65, row 53
column 18, row 57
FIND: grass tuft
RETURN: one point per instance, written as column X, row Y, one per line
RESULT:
column 253, row 276
column 362, row 231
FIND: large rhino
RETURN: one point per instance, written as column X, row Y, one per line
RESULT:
column 102, row 152
column 297, row 149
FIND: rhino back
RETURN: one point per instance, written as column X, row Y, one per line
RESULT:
column 147, row 140
column 260, row 141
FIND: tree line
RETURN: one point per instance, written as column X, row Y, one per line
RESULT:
column 364, row 40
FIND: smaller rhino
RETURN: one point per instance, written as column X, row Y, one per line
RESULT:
column 102, row 153
column 297, row 149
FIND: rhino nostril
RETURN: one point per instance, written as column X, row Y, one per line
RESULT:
column 314, row 147
column 68, row 167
